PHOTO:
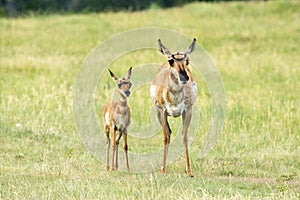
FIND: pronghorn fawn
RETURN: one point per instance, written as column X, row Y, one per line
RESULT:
column 173, row 92
column 116, row 119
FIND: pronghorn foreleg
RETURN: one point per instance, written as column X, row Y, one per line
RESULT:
column 125, row 146
column 186, row 120
column 167, row 136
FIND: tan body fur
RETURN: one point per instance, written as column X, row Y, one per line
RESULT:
column 116, row 119
column 173, row 92
column 169, row 94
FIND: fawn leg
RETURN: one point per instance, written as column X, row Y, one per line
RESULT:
column 117, row 149
column 107, row 147
column 113, row 139
column 126, row 150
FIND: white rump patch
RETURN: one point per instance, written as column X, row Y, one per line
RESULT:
column 107, row 118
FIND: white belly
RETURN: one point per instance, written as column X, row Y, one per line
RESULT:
column 175, row 111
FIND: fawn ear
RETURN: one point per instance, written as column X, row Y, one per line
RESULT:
column 191, row 47
column 128, row 73
column 163, row 49
column 113, row 75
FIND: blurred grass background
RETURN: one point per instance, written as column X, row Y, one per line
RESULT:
column 255, row 46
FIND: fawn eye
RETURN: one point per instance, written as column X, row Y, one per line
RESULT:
column 171, row 62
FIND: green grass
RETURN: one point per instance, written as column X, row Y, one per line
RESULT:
column 256, row 48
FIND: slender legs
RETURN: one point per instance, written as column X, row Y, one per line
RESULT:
column 162, row 117
column 114, row 147
column 119, row 135
column 115, row 138
column 107, row 147
column 126, row 150
column 186, row 120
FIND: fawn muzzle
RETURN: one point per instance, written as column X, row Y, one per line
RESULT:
column 127, row 93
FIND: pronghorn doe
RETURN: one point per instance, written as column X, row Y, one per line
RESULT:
column 173, row 93
column 116, row 119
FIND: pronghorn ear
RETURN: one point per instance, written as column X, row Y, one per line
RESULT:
column 191, row 47
column 113, row 75
column 128, row 73
column 163, row 49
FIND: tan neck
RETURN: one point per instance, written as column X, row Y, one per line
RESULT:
column 122, row 97
column 174, row 83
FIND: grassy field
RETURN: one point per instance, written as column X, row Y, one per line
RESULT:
column 256, row 48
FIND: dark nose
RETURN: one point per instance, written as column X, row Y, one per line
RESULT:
column 183, row 76
column 127, row 93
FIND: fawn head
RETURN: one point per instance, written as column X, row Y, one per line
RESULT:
column 178, row 61
column 124, row 83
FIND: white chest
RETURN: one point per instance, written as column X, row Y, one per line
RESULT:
column 121, row 121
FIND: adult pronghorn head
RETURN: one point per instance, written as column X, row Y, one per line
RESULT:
column 178, row 61
column 123, row 84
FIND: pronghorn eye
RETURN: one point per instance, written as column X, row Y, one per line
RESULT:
column 187, row 62
column 119, row 85
column 171, row 62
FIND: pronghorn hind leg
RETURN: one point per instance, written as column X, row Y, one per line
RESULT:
column 113, row 139
column 107, row 146
column 186, row 119
column 159, row 116
column 126, row 150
